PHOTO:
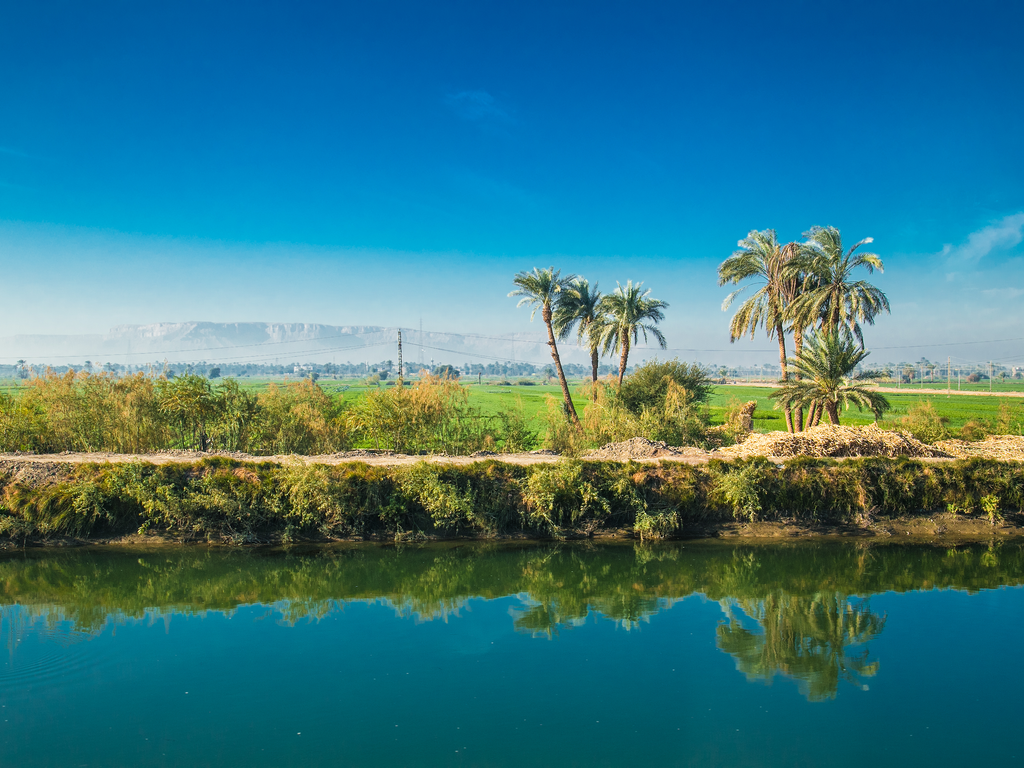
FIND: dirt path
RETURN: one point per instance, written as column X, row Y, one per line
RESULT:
column 364, row 457
column 908, row 390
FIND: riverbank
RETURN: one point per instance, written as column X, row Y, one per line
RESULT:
column 227, row 501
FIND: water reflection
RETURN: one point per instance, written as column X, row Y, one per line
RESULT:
column 818, row 640
column 800, row 611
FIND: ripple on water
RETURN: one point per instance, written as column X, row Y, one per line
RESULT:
column 39, row 651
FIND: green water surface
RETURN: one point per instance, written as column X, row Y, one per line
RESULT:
column 696, row 654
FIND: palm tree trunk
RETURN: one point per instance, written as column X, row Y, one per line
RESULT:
column 623, row 358
column 832, row 408
column 785, row 373
column 593, row 371
column 814, row 416
column 569, row 407
column 798, row 347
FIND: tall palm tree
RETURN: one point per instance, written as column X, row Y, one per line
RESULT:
column 776, row 268
column 797, row 259
column 831, row 297
column 541, row 289
column 578, row 307
column 630, row 312
column 828, row 379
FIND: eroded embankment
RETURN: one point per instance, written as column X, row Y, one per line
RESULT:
column 238, row 502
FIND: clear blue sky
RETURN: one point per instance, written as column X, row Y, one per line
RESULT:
column 377, row 162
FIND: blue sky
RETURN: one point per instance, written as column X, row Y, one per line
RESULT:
column 375, row 163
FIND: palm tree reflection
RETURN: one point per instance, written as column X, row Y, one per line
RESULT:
column 817, row 640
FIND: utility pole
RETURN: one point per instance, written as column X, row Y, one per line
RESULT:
column 400, row 368
column 949, row 375
column 989, row 375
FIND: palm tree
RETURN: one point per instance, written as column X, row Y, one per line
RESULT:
column 831, row 298
column 828, row 379
column 777, row 268
column 629, row 313
column 541, row 289
column 578, row 307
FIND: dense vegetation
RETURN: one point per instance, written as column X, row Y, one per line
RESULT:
column 244, row 502
column 139, row 414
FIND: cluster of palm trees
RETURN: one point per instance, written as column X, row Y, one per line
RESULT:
column 808, row 289
column 606, row 324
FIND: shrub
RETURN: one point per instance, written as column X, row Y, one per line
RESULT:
column 559, row 496
column 649, row 385
column 300, row 417
column 925, row 423
column 974, row 430
column 514, row 431
column 659, row 525
column 431, row 417
column 448, row 506
column 744, row 487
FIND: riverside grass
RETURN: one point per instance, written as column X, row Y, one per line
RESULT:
column 234, row 502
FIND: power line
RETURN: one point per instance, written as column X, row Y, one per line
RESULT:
column 510, row 339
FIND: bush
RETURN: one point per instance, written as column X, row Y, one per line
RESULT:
column 514, row 431
column 558, row 496
column 974, row 430
column 431, row 417
column 300, row 417
column 743, row 488
column 925, row 423
column 675, row 419
column 648, row 385
column 659, row 525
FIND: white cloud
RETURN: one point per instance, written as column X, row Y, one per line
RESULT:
column 476, row 105
column 999, row 236
column 1004, row 293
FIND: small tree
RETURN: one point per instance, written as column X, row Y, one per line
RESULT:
column 828, row 379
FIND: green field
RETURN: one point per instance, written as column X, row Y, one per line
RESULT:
column 533, row 399
column 959, row 409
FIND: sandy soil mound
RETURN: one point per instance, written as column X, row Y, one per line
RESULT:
column 35, row 474
column 640, row 448
column 826, row 440
column 1001, row 447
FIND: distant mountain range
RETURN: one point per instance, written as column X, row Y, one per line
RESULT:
column 277, row 343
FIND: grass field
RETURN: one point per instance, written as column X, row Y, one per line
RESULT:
column 959, row 409
column 533, row 399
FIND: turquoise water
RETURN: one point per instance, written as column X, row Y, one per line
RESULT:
column 695, row 654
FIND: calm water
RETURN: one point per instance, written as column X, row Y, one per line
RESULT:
column 696, row 654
